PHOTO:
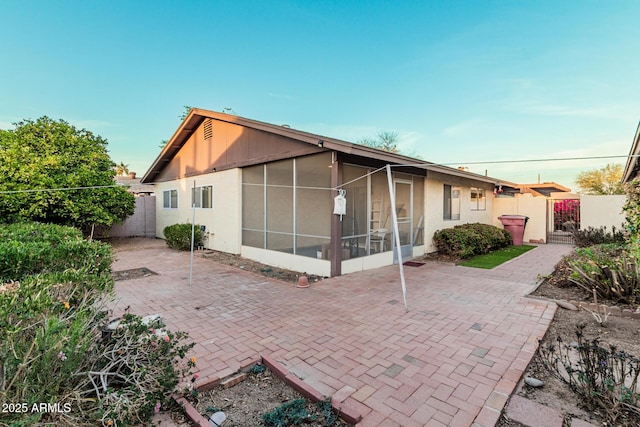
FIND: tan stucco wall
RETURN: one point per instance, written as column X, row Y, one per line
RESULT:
column 599, row 211
column 524, row 204
column 434, row 201
column 222, row 223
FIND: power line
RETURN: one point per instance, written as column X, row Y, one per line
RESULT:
column 538, row 160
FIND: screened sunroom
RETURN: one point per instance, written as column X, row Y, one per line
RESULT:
column 288, row 205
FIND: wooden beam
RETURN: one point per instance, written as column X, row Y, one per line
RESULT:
column 336, row 224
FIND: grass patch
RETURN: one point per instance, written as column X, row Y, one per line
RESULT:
column 495, row 258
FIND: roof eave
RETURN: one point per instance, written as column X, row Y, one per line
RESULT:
column 197, row 116
column 632, row 160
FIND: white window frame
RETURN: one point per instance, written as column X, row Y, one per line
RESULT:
column 479, row 202
column 451, row 202
column 198, row 193
column 167, row 199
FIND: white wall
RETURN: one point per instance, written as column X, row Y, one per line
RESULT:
column 222, row 222
column 528, row 205
column 434, row 205
column 599, row 211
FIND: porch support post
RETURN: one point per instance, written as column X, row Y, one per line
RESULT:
column 396, row 233
column 336, row 224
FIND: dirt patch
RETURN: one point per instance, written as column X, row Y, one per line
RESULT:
column 245, row 264
column 135, row 273
column 245, row 403
column 621, row 332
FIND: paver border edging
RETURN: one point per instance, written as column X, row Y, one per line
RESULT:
column 345, row 411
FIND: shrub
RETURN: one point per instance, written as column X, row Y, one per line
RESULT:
column 607, row 268
column 31, row 248
column 179, row 236
column 135, row 370
column 293, row 412
column 51, row 326
column 605, row 378
column 468, row 240
column 632, row 214
column 596, row 236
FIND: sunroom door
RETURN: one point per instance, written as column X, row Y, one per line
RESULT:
column 404, row 211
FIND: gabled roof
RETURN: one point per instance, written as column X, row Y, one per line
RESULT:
column 632, row 167
column 196, row 116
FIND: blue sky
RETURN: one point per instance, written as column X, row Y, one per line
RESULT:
column 460, row 81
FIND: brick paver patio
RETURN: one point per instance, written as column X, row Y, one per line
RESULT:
column 452, row 360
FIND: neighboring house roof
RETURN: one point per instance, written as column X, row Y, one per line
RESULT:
column 632, row 168
column 196, row 116
column 134, row 185
column 543, row 189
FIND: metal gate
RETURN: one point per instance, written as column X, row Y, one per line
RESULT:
column 563, row 216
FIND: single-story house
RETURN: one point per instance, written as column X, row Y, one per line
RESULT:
column 267, row 192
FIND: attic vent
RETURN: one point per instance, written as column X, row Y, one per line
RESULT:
column 207, row 129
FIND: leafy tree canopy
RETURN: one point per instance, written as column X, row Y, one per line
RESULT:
column 606, row 180
column 385, row 140
column 46, row 154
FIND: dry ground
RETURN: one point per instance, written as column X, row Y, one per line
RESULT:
column 621, row 332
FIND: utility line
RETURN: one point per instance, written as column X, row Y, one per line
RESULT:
column 364, row 176
column 537, row 160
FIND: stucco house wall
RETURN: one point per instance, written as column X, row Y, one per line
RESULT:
column 434, row 200
column 222, row 221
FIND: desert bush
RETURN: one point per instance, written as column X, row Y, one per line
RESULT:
column 596, row 236
column 612, row 272
column 468, row 240
column 135, row 370
column 52, row 319
column 179, row 236
column 605, row 378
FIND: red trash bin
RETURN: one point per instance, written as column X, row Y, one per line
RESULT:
column 515, row 225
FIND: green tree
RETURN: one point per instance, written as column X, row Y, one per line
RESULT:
column 43, row 165
column 606, row 180
column 385, row 140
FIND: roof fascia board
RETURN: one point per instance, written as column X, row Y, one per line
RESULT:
column 632, row 161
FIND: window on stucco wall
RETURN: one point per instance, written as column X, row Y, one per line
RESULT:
column 202, row 197
column 170, row 199
column 451, row 202
column 478, row 199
